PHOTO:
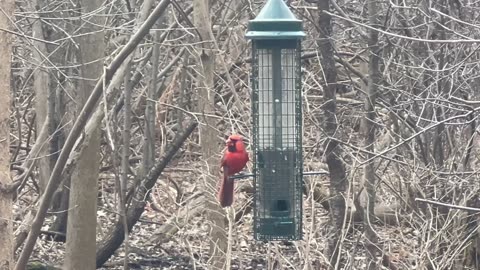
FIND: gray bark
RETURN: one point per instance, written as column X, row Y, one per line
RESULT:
column 127, row 123
column 338, row 180
column 205, row 84
column 6, row 226
column 42, row 87
column 149, row 141
column 81, row 224
column 371, row 238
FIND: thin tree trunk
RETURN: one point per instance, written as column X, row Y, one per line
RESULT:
column 81, row 224
column 338, row 180
column 59, row 99
column 6, row 226
column 205, row 84
column 149, row 141
column 122, row 190
column 42, row 88
column 150, row 107
column 371, row 238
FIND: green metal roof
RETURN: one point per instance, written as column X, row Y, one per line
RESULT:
column 275, row 21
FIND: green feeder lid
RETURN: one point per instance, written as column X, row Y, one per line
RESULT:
column 275, row 21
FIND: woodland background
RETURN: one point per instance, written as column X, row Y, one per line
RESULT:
column 114, row 114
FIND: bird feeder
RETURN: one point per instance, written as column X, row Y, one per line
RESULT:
column 277, row 122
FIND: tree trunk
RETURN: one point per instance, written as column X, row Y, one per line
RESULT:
column 81, row 224
column 55, row 100
column 42, row 88
column 338, row 180
column 368, row 130
column 205, row 86
column 6, row 226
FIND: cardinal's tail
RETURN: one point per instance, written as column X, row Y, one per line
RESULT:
column 225, row 194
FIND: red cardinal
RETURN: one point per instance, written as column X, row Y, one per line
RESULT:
column 233, row 161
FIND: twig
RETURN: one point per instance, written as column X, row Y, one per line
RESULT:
column 29, row 37
column 465, row 208
column 472, row 103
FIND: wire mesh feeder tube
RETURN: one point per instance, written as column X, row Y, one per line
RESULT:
column 277, row 122
column 277, row 140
